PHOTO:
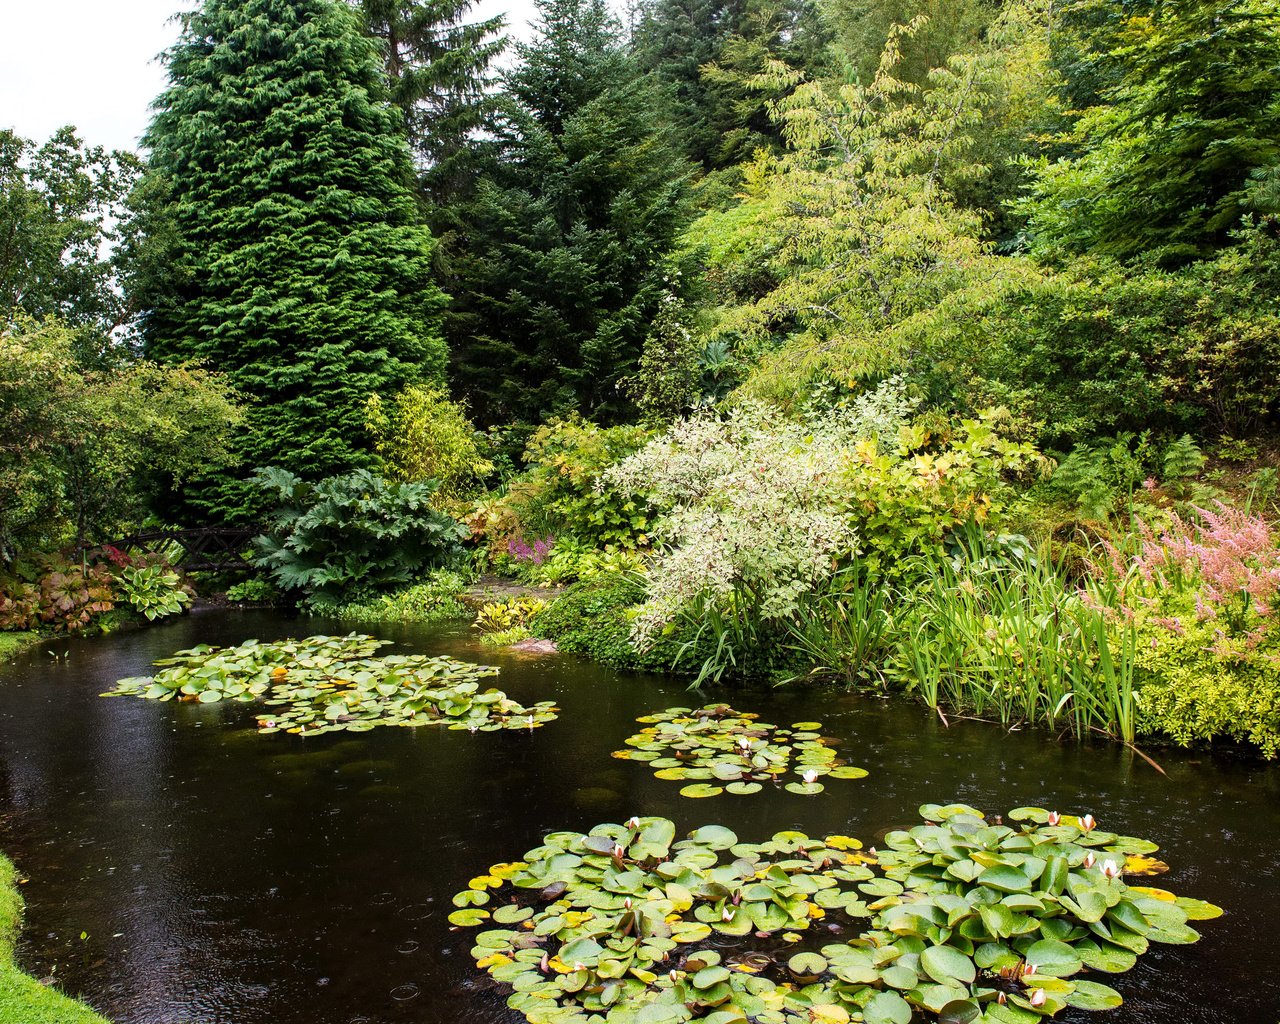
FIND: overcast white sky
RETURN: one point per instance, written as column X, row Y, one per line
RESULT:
column 92, row 63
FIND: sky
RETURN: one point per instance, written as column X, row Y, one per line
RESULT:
column 92, row 63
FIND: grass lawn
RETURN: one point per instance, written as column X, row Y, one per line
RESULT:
column 23, row 1000
column 12, row 643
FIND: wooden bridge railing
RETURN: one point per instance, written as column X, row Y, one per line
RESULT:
column 204, row 549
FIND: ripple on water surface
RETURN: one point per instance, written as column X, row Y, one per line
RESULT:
column 223, row 877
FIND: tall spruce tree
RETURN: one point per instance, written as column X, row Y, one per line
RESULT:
column 437, row 66
column 293, row 258
column 1186, row 122
column 672, row 40
column 564, row 244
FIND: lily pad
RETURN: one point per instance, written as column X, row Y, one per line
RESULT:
column 716, row 743
column 328, row 684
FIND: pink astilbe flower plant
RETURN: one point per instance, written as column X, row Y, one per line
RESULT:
column 1228, row 562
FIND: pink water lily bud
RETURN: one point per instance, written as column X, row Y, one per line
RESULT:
column 1037, row 997
column 544, row 964
column 1054, row 817
column 1087, row 823
column 578, row 965
column 633, row 822
column 1089, row 859
column 1000, row 998
column 727, row 914
column 618, row 851
column 1028, row 969
column 627, row 903
column 674, row 975
column 1110, row 869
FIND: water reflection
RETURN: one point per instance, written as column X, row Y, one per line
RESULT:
column 224, row 877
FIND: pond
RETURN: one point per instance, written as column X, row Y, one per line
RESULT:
column 186, row 870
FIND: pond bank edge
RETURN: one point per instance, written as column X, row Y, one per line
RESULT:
column 23, row 1000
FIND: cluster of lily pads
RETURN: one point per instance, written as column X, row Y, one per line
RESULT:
column 732, row 751
column 956, row 920
column 329, row 684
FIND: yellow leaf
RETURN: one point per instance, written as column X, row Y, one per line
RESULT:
column 493, row 960
column 1136, row 864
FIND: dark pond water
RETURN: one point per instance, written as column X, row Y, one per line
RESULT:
column 222, row 877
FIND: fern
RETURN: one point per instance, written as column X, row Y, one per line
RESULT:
column 1182, row 458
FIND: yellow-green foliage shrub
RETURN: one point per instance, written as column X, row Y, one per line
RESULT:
column 1198, row 685
column 500, row 616
column 562, row 492
column 421, row 434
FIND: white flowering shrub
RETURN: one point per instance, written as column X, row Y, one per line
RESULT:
column 756, row 506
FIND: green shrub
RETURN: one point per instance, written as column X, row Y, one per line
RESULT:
column 422, row 435
column 81, row 449
column 1098, row 348
column 593, row 619
column 254, row 591
column 433, row 599
column 562, row 491
column 351, row 536
column 1194, row 686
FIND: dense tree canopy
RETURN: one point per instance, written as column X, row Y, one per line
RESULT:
column 565, row 239
column 60, row 207
column 293, row 259
column 437, row 67
column 1187, row 116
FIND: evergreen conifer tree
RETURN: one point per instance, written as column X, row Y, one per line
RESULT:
column 437, row 66
column 287, row 234
column 562, row 264
column 1187, row 112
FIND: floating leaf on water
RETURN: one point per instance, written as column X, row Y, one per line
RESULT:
column 468, row 918
column 716, row 742
column 327, row 684
column 700, row 790
column 631, row 932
